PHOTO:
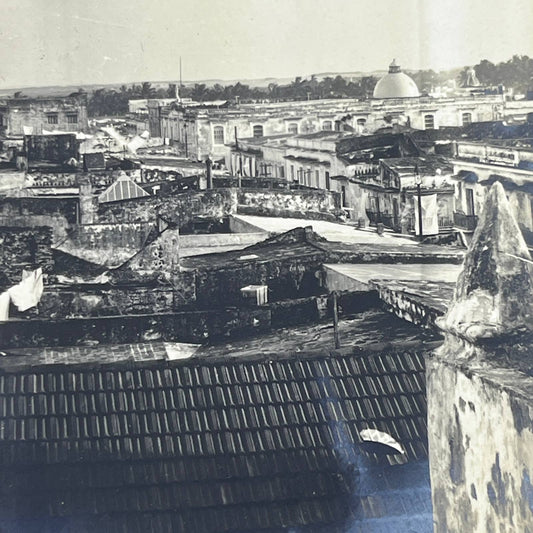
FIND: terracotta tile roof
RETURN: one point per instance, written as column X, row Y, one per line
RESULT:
column 203, row 446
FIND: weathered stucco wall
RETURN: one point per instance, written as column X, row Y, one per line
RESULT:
column 192, row 326
column 318, row 204
column 179, row 209
column 219, row 203
column 286, row 277
column 481, row 448
column 34, row 112
column 58, row 213
column 60, row 302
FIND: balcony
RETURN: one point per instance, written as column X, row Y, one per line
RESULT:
column 464, row 222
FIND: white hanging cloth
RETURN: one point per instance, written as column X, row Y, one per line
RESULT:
column 28, row 292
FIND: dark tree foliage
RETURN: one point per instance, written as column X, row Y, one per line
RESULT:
column 298, row 89
column 515, row 73
column 109, row 102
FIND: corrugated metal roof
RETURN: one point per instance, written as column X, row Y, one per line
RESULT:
column 123, row 189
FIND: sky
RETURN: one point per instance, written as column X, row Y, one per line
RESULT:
column 74, row 42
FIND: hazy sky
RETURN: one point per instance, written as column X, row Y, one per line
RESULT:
column 63, row 42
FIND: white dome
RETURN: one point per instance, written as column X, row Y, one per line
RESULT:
column 395, row 84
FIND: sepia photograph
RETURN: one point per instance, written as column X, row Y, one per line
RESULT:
column 266, row 266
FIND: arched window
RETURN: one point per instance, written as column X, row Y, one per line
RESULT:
column 467, row 118
column 429, row 122
column 361, row 121
column 327, row 125
column 293, row 128
column 258, row 130
column 218, row 135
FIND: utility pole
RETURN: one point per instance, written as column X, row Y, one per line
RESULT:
column 181, row 79
column 239, row 172
column 209, row 175
column 418, row 182
column 335, row 320
column 186, row 141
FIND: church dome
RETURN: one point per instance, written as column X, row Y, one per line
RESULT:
column 395, row 84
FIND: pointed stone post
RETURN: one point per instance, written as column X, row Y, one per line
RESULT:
column 480, row 385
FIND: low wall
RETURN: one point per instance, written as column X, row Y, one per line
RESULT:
column 286, row 277
column 61, row 302
column 237, row 225
column 421, row 308
column 481, row 447
column 192, row 326
column 63, row 328
column 181, row 209
column 309, row 204
column 221, row 239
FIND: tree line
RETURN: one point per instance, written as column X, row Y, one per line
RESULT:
column 515, row 73
column 112, row 102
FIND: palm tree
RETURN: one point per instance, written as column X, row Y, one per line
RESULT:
column 147, row 91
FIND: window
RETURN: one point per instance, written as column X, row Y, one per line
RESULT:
column 72, row 118
column 327, row 125
column 429, row 122
column 281, row 172
column 317, row 179
column 218, row 134
column 52, row 118
column 258, row 130
column 361, row 121
column 293, row 128
column 470, row 204
column 343, row 196
column 327, row 181
column 292, row 172
column 467, row 118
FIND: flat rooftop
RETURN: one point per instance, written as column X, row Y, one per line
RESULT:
column 331, row 231
column 444, row 272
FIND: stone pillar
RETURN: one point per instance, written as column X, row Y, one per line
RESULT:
column 480, row 386
column 88, row 203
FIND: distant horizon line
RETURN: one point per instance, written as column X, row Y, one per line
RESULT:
column 241, row 79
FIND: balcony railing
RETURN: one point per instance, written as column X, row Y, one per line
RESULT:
column 464, row 222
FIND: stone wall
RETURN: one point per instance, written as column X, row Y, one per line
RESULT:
column 191, row 326
column 179, row 209
column 312, row 204
column 23, row 248
column 79, row 302
column 422, row 307
column 161, row 255
column 54, row 148
column 286, row 277
column 481, row 440
column 219, row 203
column 58, row 213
